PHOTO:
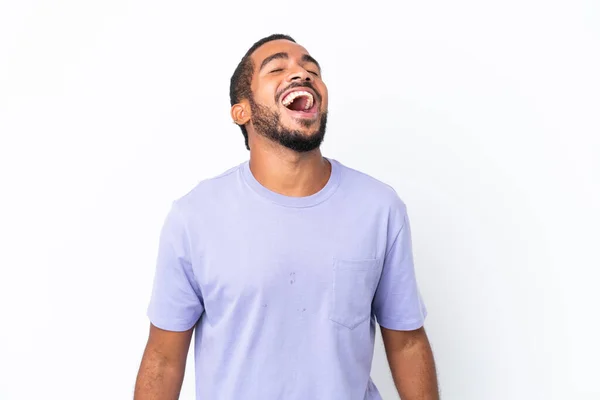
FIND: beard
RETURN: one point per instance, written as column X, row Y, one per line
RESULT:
column 268, row 124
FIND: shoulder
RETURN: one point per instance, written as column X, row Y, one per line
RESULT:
column 366, row 187
column 208, row 192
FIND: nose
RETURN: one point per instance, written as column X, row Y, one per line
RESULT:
column 299, row 74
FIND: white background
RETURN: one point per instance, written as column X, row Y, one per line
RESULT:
column 483, row 115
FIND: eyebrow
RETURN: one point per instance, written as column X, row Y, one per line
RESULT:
column 285, row 56
column 273, row 57
column 309, row 58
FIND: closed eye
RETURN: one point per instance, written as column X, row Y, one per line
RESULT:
column 277, row 70
column 314, row 73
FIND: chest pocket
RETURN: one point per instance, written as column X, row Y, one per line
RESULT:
column 354, row 284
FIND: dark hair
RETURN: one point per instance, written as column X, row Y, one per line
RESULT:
column 241, row 79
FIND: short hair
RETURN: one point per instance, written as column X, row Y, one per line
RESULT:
column 239, row 87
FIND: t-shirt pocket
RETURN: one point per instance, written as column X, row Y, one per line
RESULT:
column 354, row 285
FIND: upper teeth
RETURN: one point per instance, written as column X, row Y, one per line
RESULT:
column 292, row 96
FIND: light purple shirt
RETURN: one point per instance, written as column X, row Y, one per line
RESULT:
column 285, row 291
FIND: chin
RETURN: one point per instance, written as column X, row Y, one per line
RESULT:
column 303, row 124
column 304, row 130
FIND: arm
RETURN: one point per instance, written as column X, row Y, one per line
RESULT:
column 175, row 306
column 401, row 314
column 163, row 365
column 411, row 362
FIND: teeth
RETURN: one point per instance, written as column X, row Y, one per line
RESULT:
column 309, row 103
column 292, row 96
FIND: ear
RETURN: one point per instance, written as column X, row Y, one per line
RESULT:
column 240, row 113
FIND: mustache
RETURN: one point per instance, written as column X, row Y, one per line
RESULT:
column 296, row 85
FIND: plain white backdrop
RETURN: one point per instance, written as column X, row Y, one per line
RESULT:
column 483, row 115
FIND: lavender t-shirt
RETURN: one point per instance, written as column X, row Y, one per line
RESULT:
column 284, row 291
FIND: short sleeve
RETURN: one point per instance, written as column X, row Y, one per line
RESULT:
column 176, row 301
column 398, row 304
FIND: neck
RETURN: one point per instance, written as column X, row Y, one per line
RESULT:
column 289, row 173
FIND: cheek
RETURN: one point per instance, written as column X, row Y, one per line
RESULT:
column 325, row 102
column 324, row 95
column 262, row 97
column 264, row 93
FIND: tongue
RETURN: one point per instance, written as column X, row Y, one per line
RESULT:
column 298, row 104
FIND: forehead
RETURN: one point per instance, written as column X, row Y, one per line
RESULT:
column 294, row 50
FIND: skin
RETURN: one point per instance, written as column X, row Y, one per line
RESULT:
column 290, row 173
column 411, row 361
column 161, row 372
column 280, row 169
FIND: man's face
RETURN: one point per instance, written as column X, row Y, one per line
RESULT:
column 289, row 102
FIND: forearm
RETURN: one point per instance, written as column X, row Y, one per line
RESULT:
column 413, row 370
column 158, row 379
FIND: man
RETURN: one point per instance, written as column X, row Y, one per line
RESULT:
column 284, row 263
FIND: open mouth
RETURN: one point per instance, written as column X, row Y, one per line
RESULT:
column 301, row 102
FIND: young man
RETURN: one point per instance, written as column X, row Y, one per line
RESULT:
column 284, row 263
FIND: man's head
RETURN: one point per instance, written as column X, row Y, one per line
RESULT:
column 276, row 91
